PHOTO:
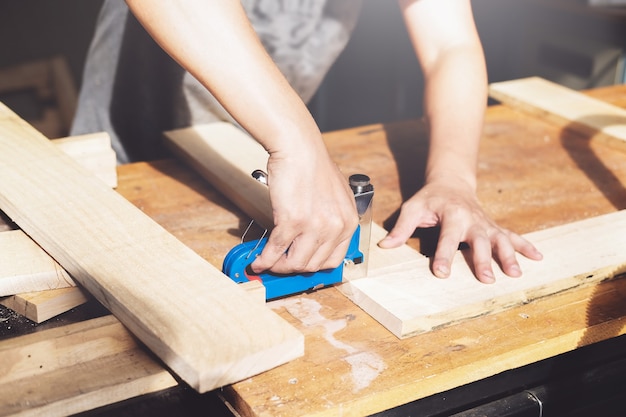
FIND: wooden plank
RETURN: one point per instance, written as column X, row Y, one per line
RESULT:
column 40, row 306
column 75, row 368
column 94, row 152
column 174, row 301
column 215, row 163
column 399, row 291
column 577, row 111
column 25, row 267
column 355, row 367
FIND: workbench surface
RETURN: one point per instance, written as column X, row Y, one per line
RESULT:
column 532, row 175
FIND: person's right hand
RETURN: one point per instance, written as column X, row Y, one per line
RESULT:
column 314, row 212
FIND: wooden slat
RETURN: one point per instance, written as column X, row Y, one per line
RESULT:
column 40, row 306
column 75, row 368
column 25, row 267
column 399, row 291
column 215, row 163
column 577, row 111
column 175, row 302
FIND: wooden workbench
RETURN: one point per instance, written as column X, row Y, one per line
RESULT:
column 532, row 175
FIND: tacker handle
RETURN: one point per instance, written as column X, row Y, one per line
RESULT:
column 237, row 262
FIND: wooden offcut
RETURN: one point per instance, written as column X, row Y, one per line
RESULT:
column 574, row 110
column 25, row 267
column 399, row 290
column 198, row 321
column 75, row 368
column 40, row 306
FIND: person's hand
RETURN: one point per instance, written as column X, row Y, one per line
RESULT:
column 453, row 205
column 314, row 213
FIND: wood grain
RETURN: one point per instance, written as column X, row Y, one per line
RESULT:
column 573, row 109
column 75, row 368
column 175, row 302
column 40, row 306
column 94, row 152
column 25, row 267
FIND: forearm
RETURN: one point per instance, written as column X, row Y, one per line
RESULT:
column 215, row 42
column 455, row 84
column 454, row 109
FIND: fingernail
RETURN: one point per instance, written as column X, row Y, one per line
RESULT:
column 488, row 276
column 516, row 270
column 442, row 271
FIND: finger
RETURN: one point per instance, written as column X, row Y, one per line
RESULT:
column 308, row 255
column 447, row 246
column 402, row 230
column 481, row 258
column 526, row 248
column 276, row 248
column 504, row 252
column 297, row 257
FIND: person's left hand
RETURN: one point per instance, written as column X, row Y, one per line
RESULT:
column 454, row 206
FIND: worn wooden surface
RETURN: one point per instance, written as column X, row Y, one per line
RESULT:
column 399, row 291
column 70, row 369
column 532, row 175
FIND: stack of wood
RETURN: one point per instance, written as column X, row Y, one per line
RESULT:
column 31, row 282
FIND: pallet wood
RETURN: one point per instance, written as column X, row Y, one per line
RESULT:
column 25, row 267
column 40, row 306
column 174, row 301
column 399, row 291
column 75, row 368
column 577, row 111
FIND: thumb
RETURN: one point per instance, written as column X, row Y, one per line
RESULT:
column 400, row 233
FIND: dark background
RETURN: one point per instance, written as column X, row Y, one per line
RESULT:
column 377, row 78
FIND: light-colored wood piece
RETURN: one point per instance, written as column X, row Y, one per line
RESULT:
column 175, row 302
column 577, row 111
column 25, row 267
column 215, row 164
column 75, row 368
column 94, row 152
column 399, row 290
column 40, row 306
column 410, row 300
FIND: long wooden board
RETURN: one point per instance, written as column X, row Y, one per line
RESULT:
column 94, row 152
column 199, row 322
column 75, row 368
column 399, row 291
column 577, row 111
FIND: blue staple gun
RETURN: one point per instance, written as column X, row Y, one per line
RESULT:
column 237, row 261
